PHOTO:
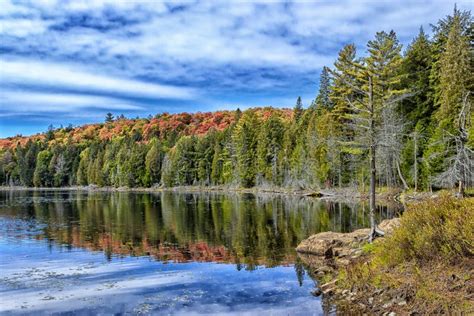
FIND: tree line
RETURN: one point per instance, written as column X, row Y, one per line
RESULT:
column 395, row 118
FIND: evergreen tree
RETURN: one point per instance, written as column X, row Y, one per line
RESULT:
column 342, row 91
column 323, row 99
column 153, row 162
column 42, row 176
column 81, row 173
column 455, row 74
column 416, row 68
column 297, row 110
column 49, row 133
column 269, row 145
column 184, row 161
column 109, row 118
column 217, row 165
column 441, row 32
column 376, row 80
column 445, row 155
column 205, row 154
column 26, row 160
column 245, row 136
column 418, row 109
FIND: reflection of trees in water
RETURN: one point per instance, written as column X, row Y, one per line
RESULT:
column 241, row 228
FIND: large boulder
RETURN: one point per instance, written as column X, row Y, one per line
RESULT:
column 328, row 243
column 331, row 244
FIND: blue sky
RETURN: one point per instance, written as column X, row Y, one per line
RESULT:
column 67, row 62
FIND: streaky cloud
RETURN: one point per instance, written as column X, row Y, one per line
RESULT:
column 17, row 102
column 45, row 74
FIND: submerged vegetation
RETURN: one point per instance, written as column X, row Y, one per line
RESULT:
column 408, row 114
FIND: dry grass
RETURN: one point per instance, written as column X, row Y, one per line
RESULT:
column 425, row 266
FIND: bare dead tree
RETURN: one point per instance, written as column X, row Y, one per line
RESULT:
column 390, row 140
column 460, row 160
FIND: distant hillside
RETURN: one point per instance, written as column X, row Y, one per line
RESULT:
column 160, row 126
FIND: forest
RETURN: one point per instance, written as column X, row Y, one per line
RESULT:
column 406, row 113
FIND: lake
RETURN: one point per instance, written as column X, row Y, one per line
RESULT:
column 81, row 253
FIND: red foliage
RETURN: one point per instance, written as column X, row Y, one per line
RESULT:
column 161, row 126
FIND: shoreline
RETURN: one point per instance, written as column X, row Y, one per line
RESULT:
column 384, row 196
column 334, row 193
column 355, row 278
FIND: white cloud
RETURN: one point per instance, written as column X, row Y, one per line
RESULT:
column 22, row 27
column 20, row 72
column 232, row 52
column 16, row 102
column 296, row 37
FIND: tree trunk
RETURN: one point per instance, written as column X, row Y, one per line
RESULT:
column 462, row 174
column 405, row 185
column 415, row 160
column 373, row 225
column 373, row 172
column 464, row 116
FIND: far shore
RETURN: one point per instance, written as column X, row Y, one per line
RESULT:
column 348, row 194
column 192, row 189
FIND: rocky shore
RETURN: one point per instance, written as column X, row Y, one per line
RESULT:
column 423, row 265
column 327, row 252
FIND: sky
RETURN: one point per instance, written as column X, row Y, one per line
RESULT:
column 70, row 62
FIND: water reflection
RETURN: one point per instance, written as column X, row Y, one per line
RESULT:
column 243, row 229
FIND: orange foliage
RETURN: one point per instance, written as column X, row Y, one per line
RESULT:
column 161, row 126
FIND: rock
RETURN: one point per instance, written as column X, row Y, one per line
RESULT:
column 317, row 292
column 323, row 244
column 343, row 247
column 392, row 314
column 319, row 264
column 388, row 225
column 342, row 262
column 342, row 251
column 329, row 287
column 324, row 269
column 402, row 303
column 371, row 300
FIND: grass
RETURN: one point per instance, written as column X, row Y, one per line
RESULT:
column 428, row 262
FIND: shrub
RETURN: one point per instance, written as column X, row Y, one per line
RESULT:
column 441, row 228
column 427, row 261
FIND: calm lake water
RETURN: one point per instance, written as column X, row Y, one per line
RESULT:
column 162, row 253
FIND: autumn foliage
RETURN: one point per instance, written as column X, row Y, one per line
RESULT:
column 160, row 126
